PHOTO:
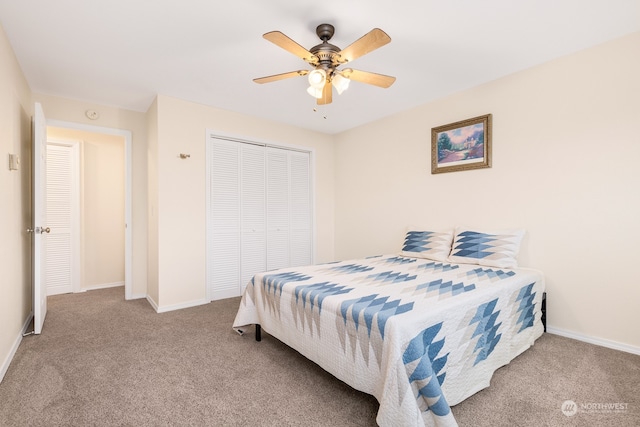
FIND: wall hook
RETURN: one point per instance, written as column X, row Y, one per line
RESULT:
column 184, row 156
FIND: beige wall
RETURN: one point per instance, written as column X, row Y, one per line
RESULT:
column 15, row 203
column 566, row 146
column 103, row 219
column 180, row 202
column 102, row 205
column 68, row 110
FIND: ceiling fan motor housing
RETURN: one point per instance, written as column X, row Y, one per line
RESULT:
column 326, row 52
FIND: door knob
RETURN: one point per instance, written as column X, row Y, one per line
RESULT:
column 46, row 230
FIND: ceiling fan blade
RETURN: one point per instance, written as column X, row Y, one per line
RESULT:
column 371, row 41
column 327, row 92
column 278, row 38
column 276, row 77
column 379, row 80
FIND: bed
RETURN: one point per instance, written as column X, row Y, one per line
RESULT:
column 420, row 333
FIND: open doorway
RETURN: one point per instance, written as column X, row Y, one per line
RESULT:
column 103, row 221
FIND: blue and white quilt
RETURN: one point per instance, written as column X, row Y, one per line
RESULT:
column 417, row 334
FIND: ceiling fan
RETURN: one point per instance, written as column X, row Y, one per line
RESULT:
column 325, row 58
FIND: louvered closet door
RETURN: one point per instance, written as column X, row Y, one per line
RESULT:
column 223, row 239
column 300, row 209
column 259, row 213
column 289, row 228
column 277, row 208
column 253, row 222
column 237, row 239
column 58, row 261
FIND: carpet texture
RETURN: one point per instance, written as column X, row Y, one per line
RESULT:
column 102, row 360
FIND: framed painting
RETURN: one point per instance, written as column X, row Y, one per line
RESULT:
column 461, row 146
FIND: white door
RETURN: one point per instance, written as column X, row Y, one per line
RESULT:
column 259, row 213
column 300, row 212
column 288, row 194
column 223, row 234
column 62, row 257
column 252, row 213
column 40, row 229
column 278, row 203
column 236, row 195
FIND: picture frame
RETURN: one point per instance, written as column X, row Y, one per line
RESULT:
column 461, row 146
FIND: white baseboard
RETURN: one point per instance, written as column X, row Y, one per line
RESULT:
column 164, row 309
column 102, row 286
column 136, row 296
column 153, row 303
column 58, row 290
column 597, row 341
column 7, row 361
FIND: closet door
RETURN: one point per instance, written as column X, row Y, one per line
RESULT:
column 277, row 178
column 289, row 228
column 253, row 237
column 300, row 209
column 59, row 259
column 223, row 236
column 258, row 213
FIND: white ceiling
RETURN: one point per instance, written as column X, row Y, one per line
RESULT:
column 124, row 52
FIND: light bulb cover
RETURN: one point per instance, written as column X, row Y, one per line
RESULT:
column 315, row 92
column 340, row 83
column 317, row 78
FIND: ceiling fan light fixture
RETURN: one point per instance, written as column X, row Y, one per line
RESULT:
column 340, row 83
column 325, row 58
column 315, row 92
column 317, row 78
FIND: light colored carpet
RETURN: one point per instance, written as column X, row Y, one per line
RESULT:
column 102, row 360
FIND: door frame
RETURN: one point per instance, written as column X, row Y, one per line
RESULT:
column 128, row 227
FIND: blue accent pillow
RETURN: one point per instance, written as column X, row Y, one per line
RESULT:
column 422, row 243
column 488, row 248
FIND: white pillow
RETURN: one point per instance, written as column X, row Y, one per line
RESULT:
column 488, row 248
column 422, row 243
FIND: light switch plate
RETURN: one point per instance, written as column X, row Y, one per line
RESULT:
column 14, row 162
